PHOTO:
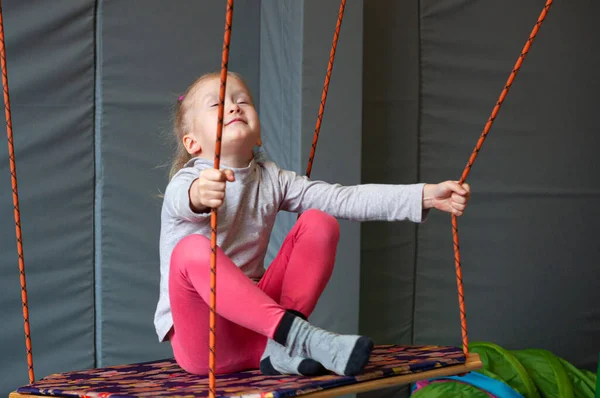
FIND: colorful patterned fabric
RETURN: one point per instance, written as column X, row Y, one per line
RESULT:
column 165, row 378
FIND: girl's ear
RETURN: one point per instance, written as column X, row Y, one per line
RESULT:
column 191, row 145
column 259, row 142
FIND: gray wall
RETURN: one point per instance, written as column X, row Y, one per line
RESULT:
column 433, row 72
column 337, row 159
column 529, row 244
column 50, row 57
column 295, row 46
column 93, row 84
column 92, row 106
column 143, row 68
column 390, row 156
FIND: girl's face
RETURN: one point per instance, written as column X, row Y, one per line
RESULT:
column 241, row 126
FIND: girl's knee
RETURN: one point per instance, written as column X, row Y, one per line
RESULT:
column 195, row 241
column 193, row 249
column 325, row 223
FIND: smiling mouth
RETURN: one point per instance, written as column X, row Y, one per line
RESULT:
column 233, row 121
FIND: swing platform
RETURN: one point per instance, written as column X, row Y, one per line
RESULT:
column 390, row 365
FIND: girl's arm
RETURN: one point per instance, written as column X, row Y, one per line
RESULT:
column 367, row 202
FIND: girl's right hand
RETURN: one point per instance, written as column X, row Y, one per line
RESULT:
column 208, row 191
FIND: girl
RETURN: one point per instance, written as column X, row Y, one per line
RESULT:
column 262, row 315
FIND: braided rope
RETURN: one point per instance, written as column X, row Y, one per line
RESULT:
column 15, row 190
column 486, row 130
column 213, row 216
column 336, row 36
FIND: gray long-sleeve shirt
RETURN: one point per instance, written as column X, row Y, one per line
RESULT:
column 247, row 216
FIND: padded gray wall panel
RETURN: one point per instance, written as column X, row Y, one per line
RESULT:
column 151, row 51
column 295, row 44
column 337, row 157
column 50, row 56
column 390, row 156
column 389, row 148
column 281, row 25
column 529, row 240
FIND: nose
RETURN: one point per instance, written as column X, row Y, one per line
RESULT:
column 234, row 108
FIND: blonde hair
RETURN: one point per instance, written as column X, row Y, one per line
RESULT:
column 181, row 122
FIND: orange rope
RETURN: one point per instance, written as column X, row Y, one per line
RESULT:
column 486, row 130
column 336, row 36
column 13, row 175
column 213, row 216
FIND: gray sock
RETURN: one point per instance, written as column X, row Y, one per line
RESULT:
column 342, row 354
column 276, row 361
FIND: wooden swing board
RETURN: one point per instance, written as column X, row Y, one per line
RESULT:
column 473, row 362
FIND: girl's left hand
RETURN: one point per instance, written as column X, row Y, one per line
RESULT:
column 447, row 196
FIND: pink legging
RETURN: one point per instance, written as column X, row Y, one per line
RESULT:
column 247, row 313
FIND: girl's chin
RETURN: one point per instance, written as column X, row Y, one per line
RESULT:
column 237, row 131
